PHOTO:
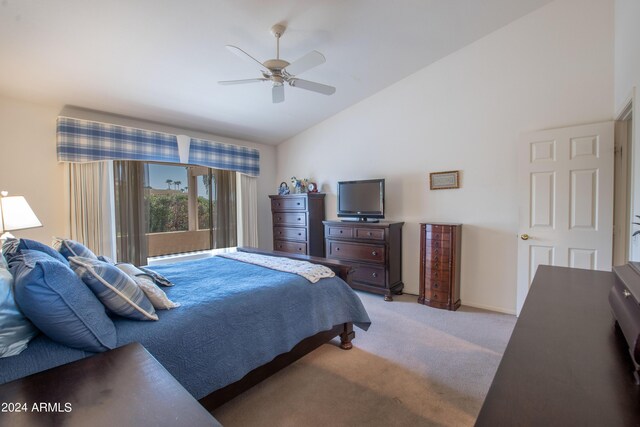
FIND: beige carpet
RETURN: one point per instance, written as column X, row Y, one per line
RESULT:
column 416, row 366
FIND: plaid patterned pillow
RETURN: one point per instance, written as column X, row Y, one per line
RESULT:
column 117, row 291
column 69, row 248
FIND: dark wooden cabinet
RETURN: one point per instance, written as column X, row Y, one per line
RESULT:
column 440, row 265
column 565, row 364
column 297, row 223
column 374, row 250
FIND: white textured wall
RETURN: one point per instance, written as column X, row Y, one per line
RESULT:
column 551, row 68
column 627, row 50
column 28, row 164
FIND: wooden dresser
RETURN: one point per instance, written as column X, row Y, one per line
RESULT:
column 566, row 363
column 374, row 250
column 297, row 223
column 440, row 265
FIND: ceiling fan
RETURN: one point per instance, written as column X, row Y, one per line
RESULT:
column 280, row 71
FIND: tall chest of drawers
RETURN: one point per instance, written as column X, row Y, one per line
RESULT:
column 297, row 223
column 440, row 265
column 374, row 250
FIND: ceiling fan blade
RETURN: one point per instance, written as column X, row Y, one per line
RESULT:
column 239, row 82
column 246, row 57
column 277, row 93
column 307, row 62
column 312, row 86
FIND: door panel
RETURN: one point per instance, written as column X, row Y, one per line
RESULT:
column 566, row 200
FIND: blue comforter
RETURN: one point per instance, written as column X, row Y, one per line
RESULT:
column 234, row 317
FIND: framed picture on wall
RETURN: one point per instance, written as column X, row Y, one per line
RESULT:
column 444, row 180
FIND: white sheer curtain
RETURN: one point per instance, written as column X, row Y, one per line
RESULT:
column 247, row 189
column 92, row 220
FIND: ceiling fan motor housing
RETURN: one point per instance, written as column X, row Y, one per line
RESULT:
column 275, row 64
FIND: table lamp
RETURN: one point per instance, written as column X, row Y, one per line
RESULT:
column 15, row 214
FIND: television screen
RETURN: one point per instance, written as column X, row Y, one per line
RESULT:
column 361, row 199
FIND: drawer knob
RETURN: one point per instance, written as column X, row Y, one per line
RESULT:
column 435, row 296
column 374, row 274
column 299, row 249
column 299, row 234
column 340, row 231
column 369, row 233
column 337, row 249
column 435, row 285
column 374, row 253
column 626, row 293
column 299, row 219
column 279, row 218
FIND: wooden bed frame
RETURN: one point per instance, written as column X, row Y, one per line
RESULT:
column 307, row 345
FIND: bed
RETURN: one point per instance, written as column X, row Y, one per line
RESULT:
column 237, row 324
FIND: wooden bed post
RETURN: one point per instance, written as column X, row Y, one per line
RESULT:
column 346, row 336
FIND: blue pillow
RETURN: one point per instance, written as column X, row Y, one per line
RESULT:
column 59, row 304
column 15, row 330
column 69, row 248
column 37, row 246
column 117, row 291
column 13, row 247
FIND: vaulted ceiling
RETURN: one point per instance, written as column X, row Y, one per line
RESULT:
column 160, row 60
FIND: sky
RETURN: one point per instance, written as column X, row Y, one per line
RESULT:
column 158, row 175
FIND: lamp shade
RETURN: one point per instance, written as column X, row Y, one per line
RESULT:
column 16, row 214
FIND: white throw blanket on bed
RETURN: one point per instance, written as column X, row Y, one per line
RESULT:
column 311, row 272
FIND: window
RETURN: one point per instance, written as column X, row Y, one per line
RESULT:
column 177, row 208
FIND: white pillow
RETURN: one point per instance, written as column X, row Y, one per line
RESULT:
column 158, row 298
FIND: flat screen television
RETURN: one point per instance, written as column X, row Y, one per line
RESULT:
column 362, row 200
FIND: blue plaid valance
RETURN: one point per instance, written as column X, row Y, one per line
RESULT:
column 88, row 141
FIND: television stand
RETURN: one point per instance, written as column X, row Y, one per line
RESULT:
column 374, row 250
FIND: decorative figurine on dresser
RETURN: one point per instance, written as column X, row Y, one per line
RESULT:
column 440, row 265
column 297, row 223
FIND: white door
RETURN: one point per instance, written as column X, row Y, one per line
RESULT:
column 566, row 200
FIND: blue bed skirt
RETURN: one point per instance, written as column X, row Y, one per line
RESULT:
column 234, row 317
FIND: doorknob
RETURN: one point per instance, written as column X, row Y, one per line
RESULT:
column 524, row 236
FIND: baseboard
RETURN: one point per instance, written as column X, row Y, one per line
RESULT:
column 482, row 306
column 488, row 307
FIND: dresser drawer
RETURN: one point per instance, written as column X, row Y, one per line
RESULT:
column 439, row 235
column 289, row 204
column 289, row 218
column 438, row 244
column 434, row 228
column 437, row 296
column 370, row 233
column 346, row 232
column 355, row 251
column 370, row 275
column 431, row 274
column 290, row 233
column 291, row 247
column 439, row 285
column 443, row 256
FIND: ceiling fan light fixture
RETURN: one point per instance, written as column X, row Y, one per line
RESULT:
column 280, row 71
